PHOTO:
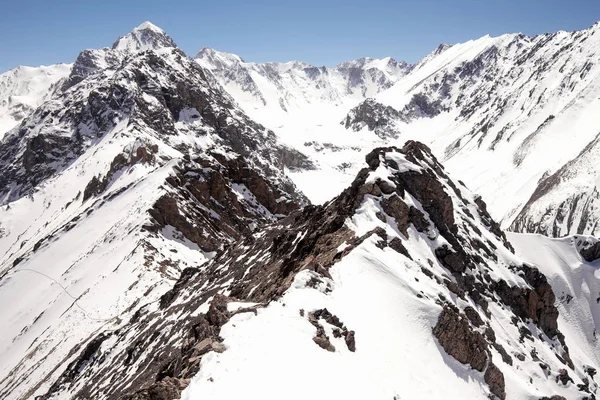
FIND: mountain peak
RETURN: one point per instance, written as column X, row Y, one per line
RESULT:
column 442, row 48
column 217, row 57
column 149, row 25
column 146, row 36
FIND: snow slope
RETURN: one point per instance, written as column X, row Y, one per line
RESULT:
column 23, row 89
column 576, row 284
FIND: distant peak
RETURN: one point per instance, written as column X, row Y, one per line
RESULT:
column 147, row 36
column 369, row 62
column 149, row 25
column 442, row 48
column 212, row 55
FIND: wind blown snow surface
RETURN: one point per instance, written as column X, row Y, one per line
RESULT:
column 272, row 355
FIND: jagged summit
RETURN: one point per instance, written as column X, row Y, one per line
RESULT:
column 369, row 62
column 146, row 36
column 284, row 88
column 441, row 48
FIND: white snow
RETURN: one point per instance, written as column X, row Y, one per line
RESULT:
column 393, row 330
column 515, row 101
column 68, row 261
column 23, row 89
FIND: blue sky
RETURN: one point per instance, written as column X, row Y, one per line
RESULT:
column 34, row 32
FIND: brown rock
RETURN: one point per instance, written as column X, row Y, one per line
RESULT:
column 473, row 316
column 495, row 380
column 459, row 340
column 350, row 341
column 396, row 208
column 591, row 253
column 386, row 187
column 217, row 311
column 396, row 244
column 324, row 343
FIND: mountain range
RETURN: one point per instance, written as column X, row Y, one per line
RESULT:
column 206, row 227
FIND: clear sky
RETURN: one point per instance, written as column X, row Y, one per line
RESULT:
column 34, row 32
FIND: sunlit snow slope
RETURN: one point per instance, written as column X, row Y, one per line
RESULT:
column 512, row 116
column 23, row 89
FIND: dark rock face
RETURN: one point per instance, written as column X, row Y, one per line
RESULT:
column 167, row 389
column 421, row 105
column 495, row 380
column 459, row 339
column 376, row 117
column 214, row 200
column 591, row 253
column 536, row 303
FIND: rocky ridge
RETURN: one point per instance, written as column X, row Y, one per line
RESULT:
column 472, row 282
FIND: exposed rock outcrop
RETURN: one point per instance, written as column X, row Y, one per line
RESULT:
column 460, row 340
column 376, row 117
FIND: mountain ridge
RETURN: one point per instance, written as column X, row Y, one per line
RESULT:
column 417, row 235
column 154, row 229
column 135, row 168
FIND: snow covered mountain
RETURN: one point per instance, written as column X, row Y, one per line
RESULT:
column 508, row 113
column 400, row 281
column 23, row 89
column 280, row 89
column 156, row 241
column 513, row 116
column 135, row 168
